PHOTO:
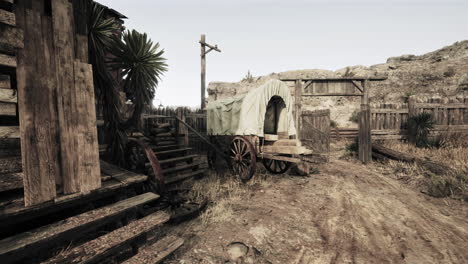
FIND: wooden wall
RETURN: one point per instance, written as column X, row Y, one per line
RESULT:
column 56, row 105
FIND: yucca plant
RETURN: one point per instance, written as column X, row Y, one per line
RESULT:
column 142, row 64
column 419, row 127
column 101, row 31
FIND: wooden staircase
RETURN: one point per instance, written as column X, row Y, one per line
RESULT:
column 177, row 160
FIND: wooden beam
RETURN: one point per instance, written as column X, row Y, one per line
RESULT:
column 386, row 110
column 9, row 132
column 68, row 114
column 87, row 141
column 17, row 247
column 7, row 18
column 10, row 38
column 298, row 90
column 156, row 252
column 95, row 251
column 7, row 60
column 357, row 85
column 336, row 79
column 365, row 141
column 8, row 96
column 7, row 109
column 448, row 106
column 330, row 94
column 36, row 99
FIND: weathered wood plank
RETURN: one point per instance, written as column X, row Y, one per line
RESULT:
column 63, row 28
column 19, row 246
column 8, row 96
column 10, row 164
column 9, row 132
column 391, row 111
column 38, row 110
column 88, row 149
column 7, row 109
column 10, row 38
column 8, row 18
column 435, row 105
column 8, row 60
column 156, row 253
column 294, row 150
column 111, row 243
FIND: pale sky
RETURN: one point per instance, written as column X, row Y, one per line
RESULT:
column 266, row 36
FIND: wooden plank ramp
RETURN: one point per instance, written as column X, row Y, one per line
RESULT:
column 17, row 247
column 112, row 243
column 156, row 253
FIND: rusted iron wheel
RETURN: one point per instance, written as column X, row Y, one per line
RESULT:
column 276, row 166
column 243, row 158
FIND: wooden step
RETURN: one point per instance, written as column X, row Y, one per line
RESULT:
column 167, row 134
column 156, row 253
column 168, row 147
column 187, row 158
column 192, row 166
column 26, row 244
column 173, row 151
column 112, row 243
column 183, row 177
column 165, row 143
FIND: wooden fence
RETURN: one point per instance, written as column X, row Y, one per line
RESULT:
column 388, row 121
column 195, row 118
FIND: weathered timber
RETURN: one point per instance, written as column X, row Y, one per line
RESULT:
column 110, row 169
column 181, row 151
column 10, row 147
column 298, row 107
column 7, row 17
column 63, row 29
column 294, row 150
column 11, row 38
column 8, row 95
column 364, row 139
column 284, row 142
column 282, row 158
column 112, row 243
column 10, row 164
column 11, row 181
column 8, row 60
column 9, row 132
column 7, row 109
column 192, row 166
column 270, row 137
column 19, row 215
column 183, row 176
column 36, row 92
column 87, row 142
column 188, row 158
column 434, row 167
column 156, row 253
column 44, row 238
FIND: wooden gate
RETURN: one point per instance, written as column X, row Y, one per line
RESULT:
column 314, row 130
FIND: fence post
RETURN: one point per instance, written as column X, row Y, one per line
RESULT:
column 365, row 142
column 185, row 130
column 411, row 107
column 297, row 106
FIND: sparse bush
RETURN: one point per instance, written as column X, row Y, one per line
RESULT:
column 450, row 72
column 248, row 77
column 418, row 129
column 354, row 117
column 333, row 124
column 353, row 146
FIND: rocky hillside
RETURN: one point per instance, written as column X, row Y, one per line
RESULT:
column 442, row 72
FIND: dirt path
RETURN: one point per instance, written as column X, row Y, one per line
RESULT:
column 345, row 214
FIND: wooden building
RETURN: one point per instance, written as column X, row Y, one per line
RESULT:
column 47, row 99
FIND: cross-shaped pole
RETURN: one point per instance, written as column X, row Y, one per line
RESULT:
column 203, row 65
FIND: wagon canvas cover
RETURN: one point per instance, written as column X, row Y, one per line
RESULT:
column 245, row 114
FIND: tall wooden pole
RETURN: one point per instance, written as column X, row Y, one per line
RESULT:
column 365, row 142
column 203, row 70
column 203, row 65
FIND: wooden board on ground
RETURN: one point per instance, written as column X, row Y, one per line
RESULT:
column 156, row 253
column 8, row 60
column 16, row 247
column 7, row 17
column 111, row 243
column 293, row 150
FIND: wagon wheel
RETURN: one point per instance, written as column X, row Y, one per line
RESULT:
column 244, row 159
column 276, row 166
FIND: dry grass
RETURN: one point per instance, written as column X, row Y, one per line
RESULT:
column 224, row 193
column 453, row 155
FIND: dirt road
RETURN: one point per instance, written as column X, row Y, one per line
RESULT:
column 345, row 214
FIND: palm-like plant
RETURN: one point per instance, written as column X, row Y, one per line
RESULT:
column 100, row 35
column 418, row 129
column 142, row 64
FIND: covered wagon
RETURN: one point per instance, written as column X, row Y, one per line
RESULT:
column 256, row 126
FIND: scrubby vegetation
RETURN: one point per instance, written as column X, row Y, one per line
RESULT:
column 453, row 152
column 418, row 129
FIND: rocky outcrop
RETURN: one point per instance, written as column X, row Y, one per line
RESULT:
column 442, row 72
